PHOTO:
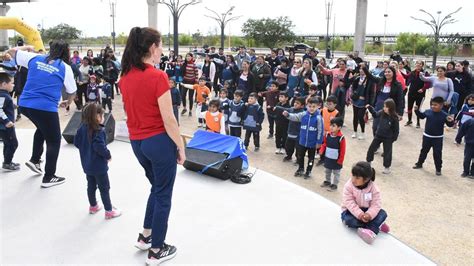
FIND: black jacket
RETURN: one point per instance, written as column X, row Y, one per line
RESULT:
column 388, row 127
column 396, row 92
column 260, row 82
column 368, row 89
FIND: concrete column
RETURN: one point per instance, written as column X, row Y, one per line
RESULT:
column 152, row 14
column 4, row 45
column 361, row 21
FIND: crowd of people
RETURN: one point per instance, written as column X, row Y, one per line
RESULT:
column 303, row 99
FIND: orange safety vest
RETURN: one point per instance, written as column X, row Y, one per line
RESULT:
column 213, row 123
column 327, row 116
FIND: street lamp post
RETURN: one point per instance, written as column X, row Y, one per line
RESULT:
column 436, row 25
column 176, row 10
column 328, row 5
column 384, row 33
column 222, row 19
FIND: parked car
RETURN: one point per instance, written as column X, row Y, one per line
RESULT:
column 298, row 48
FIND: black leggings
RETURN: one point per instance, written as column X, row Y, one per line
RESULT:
column 47, row 129
column 81, row 96
column 184, row 91
column 412, row 99
column 358, row 119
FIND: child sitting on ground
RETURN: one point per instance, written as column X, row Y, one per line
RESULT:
column 361, row 204
column 333, row 149
column 7, row 124
column 311, row 135
column 91, row 141
column 434, row 132
column 253, row 118
column 215, row 121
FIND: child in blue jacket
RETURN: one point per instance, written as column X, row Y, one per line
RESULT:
column 467, row 131
column 7, row 122
column 253, row 118
column 90, row 139
column 311, row 135
column 235, row 112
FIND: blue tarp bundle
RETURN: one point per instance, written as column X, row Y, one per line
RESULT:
column 204, row 140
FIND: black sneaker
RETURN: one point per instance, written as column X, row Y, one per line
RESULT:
column 409, row 122
column 286, row 159
column 299, row 172
column 320, row 162
column 257, row 148
column 332, row 188
column 190, row 113
column 325, row 184
column 270, row 136
column 417, row 125
column 307, row 175
column 52, row 181
column 167, row 252
column 184, row 111
column 10, row 166
column 35, row 167
column 417, row 166
column 464, row 175
column 438, row 173
column 143, row 243
column 18, row 117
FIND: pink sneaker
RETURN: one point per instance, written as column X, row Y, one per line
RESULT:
column 367, row 235
column 113, row 213
column 95, row 209
column 385, row 228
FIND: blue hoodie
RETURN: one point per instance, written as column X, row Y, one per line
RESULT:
column 235, row 113
column 253, row 117
column 311, row 129
column 466, row 131
column 93, row 151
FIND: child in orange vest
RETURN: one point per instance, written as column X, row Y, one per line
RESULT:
column 329, row 112
column 215, row 121
column 202, row 91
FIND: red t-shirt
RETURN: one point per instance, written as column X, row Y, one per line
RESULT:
column 140, row 93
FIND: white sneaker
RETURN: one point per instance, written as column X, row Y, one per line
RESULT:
column 354, row 135
column 277, row 151
column 361, row 136
column 282, row 151
column 386, row 170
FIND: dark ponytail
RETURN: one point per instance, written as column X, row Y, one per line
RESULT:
column 59, row 50
column 137, row 48
column 364, row 170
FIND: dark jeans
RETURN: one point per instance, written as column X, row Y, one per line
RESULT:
column 281, row 133
column 101, row 181
column 437, row 145
column 256, row 138
column 374, row 225
column 160, row 169
column 271, row 123
column 81, row 96
column 375, row 124
column 190, row 95
column 175, row 112
column 358, row 119
column 10, row 143
column 290, row 146
column 47, row 129
column 107, row 103
column 387, row 150
column 235, row 131
column 301, row 153
column 412, row 100
column 468, row 156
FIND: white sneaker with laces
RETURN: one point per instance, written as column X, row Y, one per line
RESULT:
column 361, row 136
column 386, row 170
column 354, row 135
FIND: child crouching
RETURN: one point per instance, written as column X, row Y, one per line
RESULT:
column 361, row 204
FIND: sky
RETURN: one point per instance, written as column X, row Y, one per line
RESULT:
column 92, row 17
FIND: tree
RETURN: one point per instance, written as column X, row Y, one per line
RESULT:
column 61, row 32
column 269, row 32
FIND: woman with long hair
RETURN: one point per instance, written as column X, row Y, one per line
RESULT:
column 362, row 94
column 416, row 91
column 462, row 83
column 154, row 135
column 246, row 80
column 47, row 75
column 306, row 78
column 442, row 86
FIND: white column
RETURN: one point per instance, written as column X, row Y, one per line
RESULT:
column 361, row 21
column 4, row 33
column 152, row 14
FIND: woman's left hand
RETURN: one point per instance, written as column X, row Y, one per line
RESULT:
column 64, row 104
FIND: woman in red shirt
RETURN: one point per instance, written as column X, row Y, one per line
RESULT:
column 154, row 135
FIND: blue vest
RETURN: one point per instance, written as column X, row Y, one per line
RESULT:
column 44, row 84
column 235, row 113
column 311, row 130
